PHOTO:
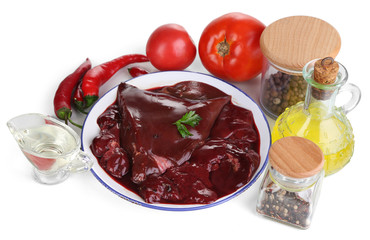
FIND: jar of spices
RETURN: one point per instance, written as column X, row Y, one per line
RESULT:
column 290, row 188
column 288, row 44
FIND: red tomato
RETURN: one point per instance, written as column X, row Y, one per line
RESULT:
column 229, row 47
column 170, row 47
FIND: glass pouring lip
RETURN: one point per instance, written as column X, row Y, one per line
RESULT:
column 341, row 79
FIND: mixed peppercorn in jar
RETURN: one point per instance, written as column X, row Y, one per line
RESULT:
column 290, row 188
column 287, row 45
column 281, row 90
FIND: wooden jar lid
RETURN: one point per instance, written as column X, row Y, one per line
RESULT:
column 296, row 157
column 292, row 42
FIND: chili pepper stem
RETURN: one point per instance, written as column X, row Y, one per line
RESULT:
column 90, row 100
column 75, row 124
column 72, row 122
column 80, row 107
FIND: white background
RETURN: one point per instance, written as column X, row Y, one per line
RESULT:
column 43, row 41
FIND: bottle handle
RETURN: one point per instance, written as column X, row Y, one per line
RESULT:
column 81, row 163
column 355, row 98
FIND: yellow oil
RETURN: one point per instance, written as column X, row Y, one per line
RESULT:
column 331, row 132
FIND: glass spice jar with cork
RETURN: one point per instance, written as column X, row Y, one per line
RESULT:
column 291, row 186
column 288, row 44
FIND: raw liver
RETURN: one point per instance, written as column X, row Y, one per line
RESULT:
column 149, row 135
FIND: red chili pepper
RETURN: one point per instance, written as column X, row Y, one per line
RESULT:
column 78, row 98
column 63, row 95
column 136, row 71
column 100, row 74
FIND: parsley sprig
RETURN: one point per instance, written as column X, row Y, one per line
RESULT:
column 190, row 118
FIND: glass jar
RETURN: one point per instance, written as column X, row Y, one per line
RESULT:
column 288, row 44
column 280, row 89
column 291, row 185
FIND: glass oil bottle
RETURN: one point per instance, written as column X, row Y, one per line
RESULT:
column 317, row 118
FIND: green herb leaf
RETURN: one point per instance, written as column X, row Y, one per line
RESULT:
column 183, row 130
column 190, row 118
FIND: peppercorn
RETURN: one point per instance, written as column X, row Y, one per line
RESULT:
column 287, row 207
column 281, row 91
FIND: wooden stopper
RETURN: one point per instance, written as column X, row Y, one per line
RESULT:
column 296, row 157
column 326, row 70
column 292, row 42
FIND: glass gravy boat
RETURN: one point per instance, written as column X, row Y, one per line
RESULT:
column 52, row 147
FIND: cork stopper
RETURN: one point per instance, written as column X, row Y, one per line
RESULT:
column 326, row 70
column 296, row 157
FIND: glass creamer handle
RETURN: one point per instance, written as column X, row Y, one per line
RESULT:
column 355, row 98
column 81, row 163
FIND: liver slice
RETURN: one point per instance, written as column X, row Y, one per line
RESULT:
column 149, row 135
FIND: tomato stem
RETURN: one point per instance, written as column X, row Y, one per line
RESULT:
column 223, row 48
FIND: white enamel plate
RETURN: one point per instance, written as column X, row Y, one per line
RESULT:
column 91, row 130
